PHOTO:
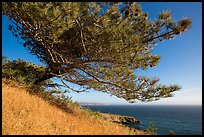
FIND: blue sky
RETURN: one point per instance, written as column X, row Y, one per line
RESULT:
column 181, row 58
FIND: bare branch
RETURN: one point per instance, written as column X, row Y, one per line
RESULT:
column 104, row 82
column 72, row 88
column 161, row 35
column 82, row 39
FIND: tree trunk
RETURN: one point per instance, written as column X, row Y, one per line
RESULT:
column 43, row 78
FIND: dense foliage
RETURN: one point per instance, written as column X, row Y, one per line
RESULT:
column 21, row 71
column 96, row 45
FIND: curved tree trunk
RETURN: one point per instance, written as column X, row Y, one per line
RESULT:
column 43, row 78
column 47, row 75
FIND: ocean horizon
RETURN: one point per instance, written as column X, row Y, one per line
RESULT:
column 181, row 119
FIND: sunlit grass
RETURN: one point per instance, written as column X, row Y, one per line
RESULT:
column 25, row 114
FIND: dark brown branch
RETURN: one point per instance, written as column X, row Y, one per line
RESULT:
column 162, row 35
column 72, row 88
column 153, row 31
column 43, row 78
column 104, row 82
column 97, row 60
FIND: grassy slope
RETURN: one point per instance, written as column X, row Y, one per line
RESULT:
column 27, row 114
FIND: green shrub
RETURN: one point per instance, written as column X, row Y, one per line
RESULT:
column 23, row 73
column 92, row 113
column 151, row 130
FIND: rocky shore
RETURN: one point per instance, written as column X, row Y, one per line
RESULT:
column 125, row 120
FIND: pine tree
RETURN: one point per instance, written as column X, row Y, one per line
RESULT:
column 96, row 45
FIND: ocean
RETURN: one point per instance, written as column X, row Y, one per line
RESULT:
column 182, row 119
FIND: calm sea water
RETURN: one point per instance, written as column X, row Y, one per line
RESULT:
column 183, row 120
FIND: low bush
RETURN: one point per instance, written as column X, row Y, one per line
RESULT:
column 23, row 74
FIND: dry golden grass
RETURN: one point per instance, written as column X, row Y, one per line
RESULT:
column 25, row 114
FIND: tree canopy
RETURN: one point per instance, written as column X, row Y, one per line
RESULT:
column 96, row 45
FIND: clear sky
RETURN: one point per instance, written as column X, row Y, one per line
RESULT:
column 181, row 58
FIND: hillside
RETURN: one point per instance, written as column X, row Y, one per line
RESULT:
column 25, row 114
